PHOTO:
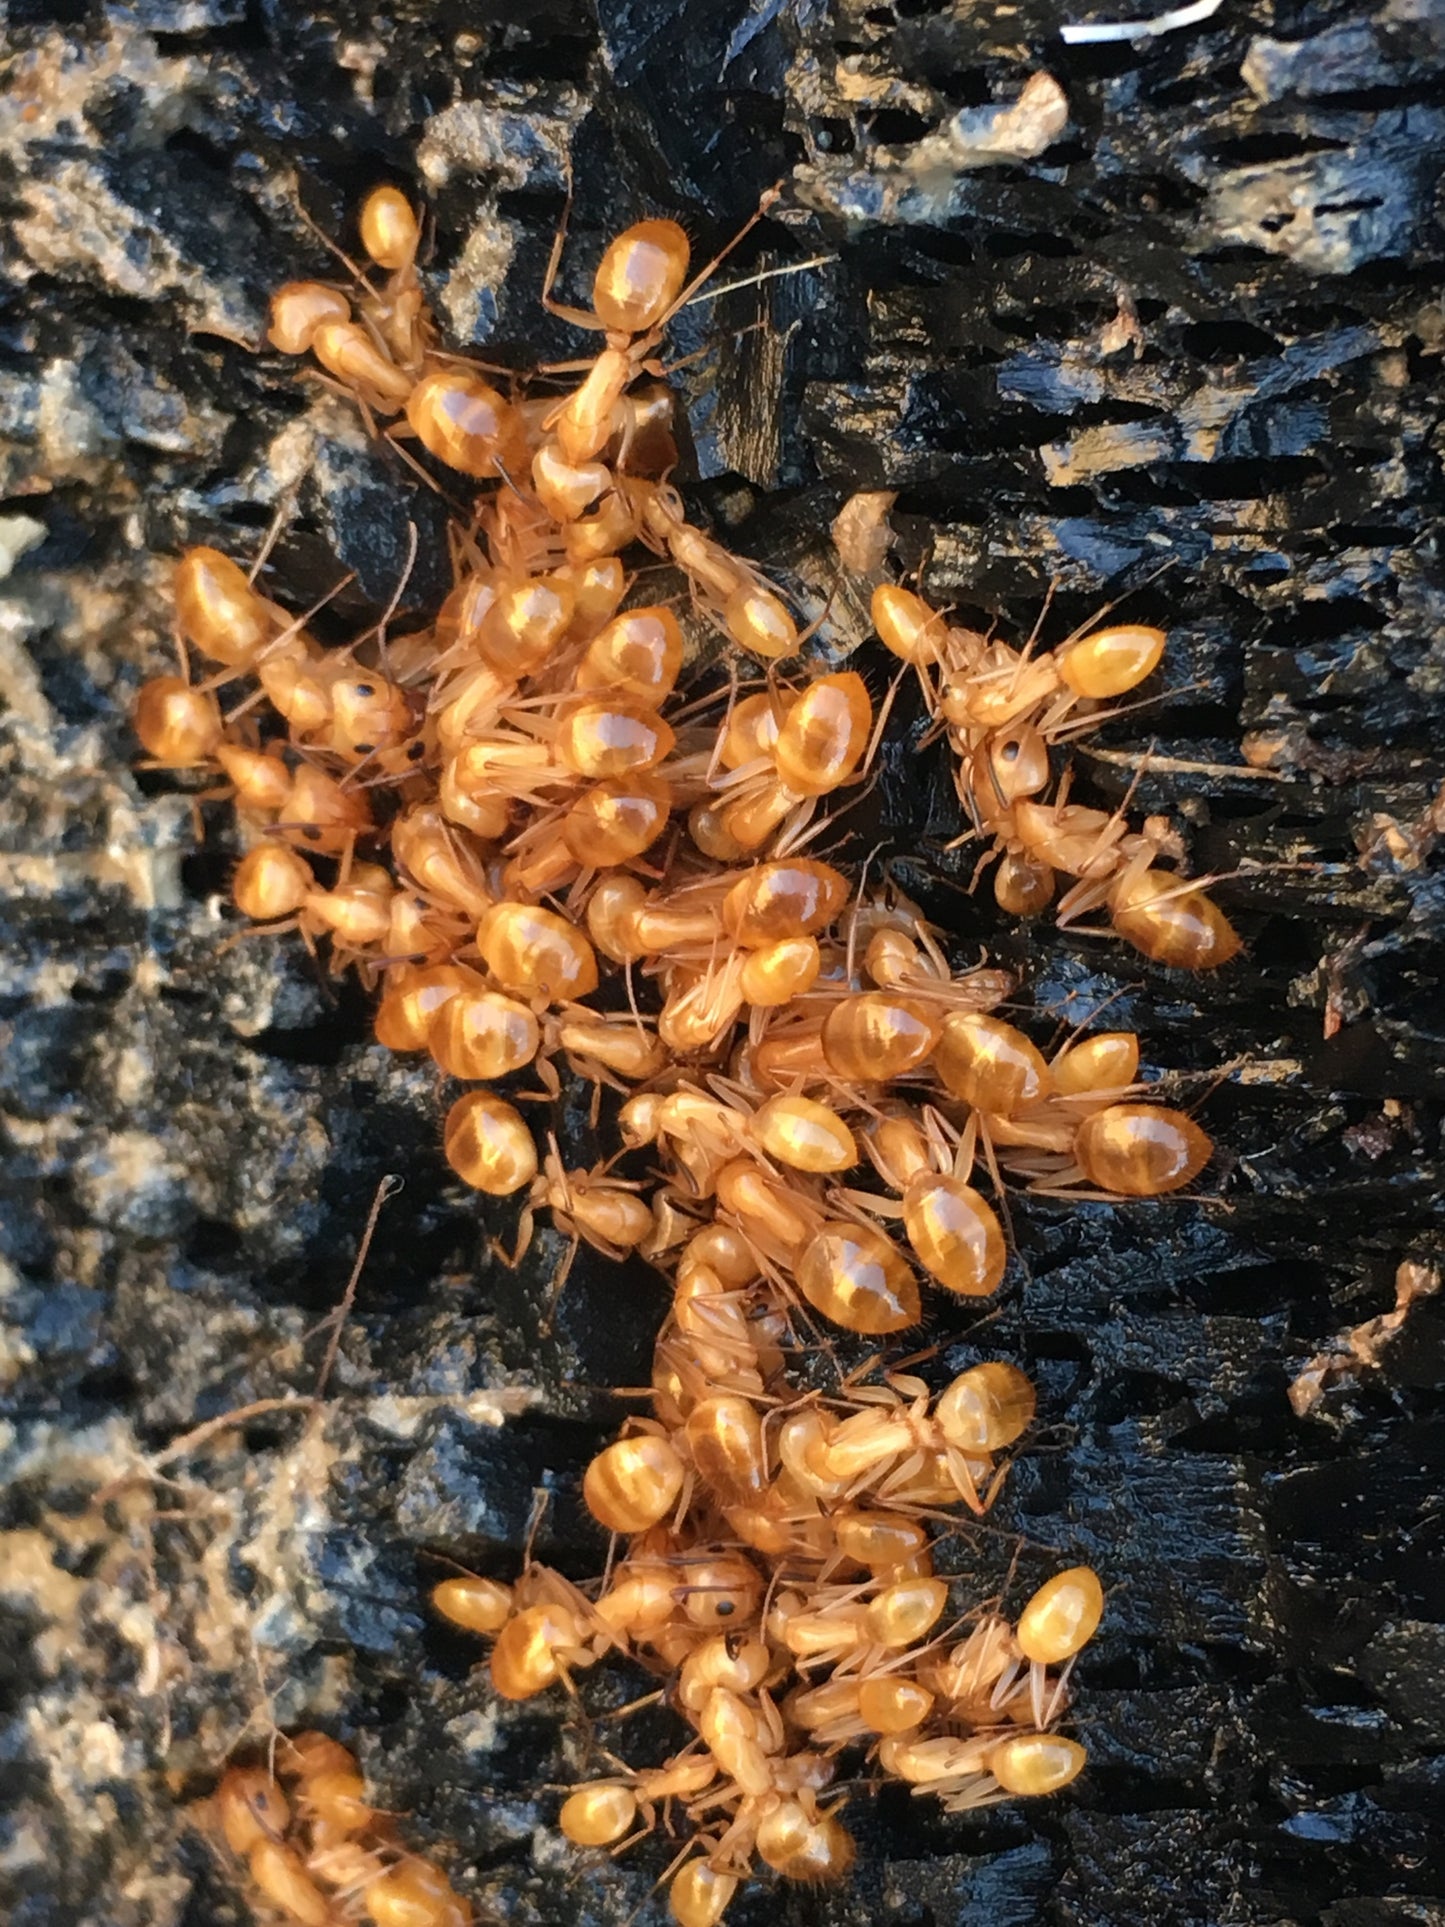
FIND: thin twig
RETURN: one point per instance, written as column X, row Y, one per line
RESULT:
column 198, row 1435
column 767, row 274
column 1095, row 31
column 388, row 1188
column 1177, row 765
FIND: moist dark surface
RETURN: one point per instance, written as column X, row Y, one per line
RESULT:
column 1190, row 349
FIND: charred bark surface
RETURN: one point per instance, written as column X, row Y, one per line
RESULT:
column 1177, row 303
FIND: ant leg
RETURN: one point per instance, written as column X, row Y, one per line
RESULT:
column 558, row 1284
column 285, row 504
column 335, row 387
column 1048, row 1711
column 358, row 274
column 391, row 437
column 469, row 361
column 525, row 1228
column 579, row 317
column 562, row 368
column 1038, row 1675
column 348, row 852
column 962, row 1477
column 262, row 930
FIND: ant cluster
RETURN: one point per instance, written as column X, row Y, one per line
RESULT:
column 1004, row 709
column 317, row 1852
column 536, row 805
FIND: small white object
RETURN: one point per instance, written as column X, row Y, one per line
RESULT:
column 1095, row 31
column 18, row 535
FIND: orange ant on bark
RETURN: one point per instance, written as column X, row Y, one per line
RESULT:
column 640, row 284
column 783, row 751
column 534, row 775
column 321, row 1854
column 385, row 357
column 1005, row 710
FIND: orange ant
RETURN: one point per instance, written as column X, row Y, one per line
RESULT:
column 782, row 753
column 1004, row 709
column 534, row 775
column 311, row 1854
column 386, row 360
column 640, row 284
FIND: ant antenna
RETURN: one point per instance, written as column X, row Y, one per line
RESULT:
column 391, row 608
